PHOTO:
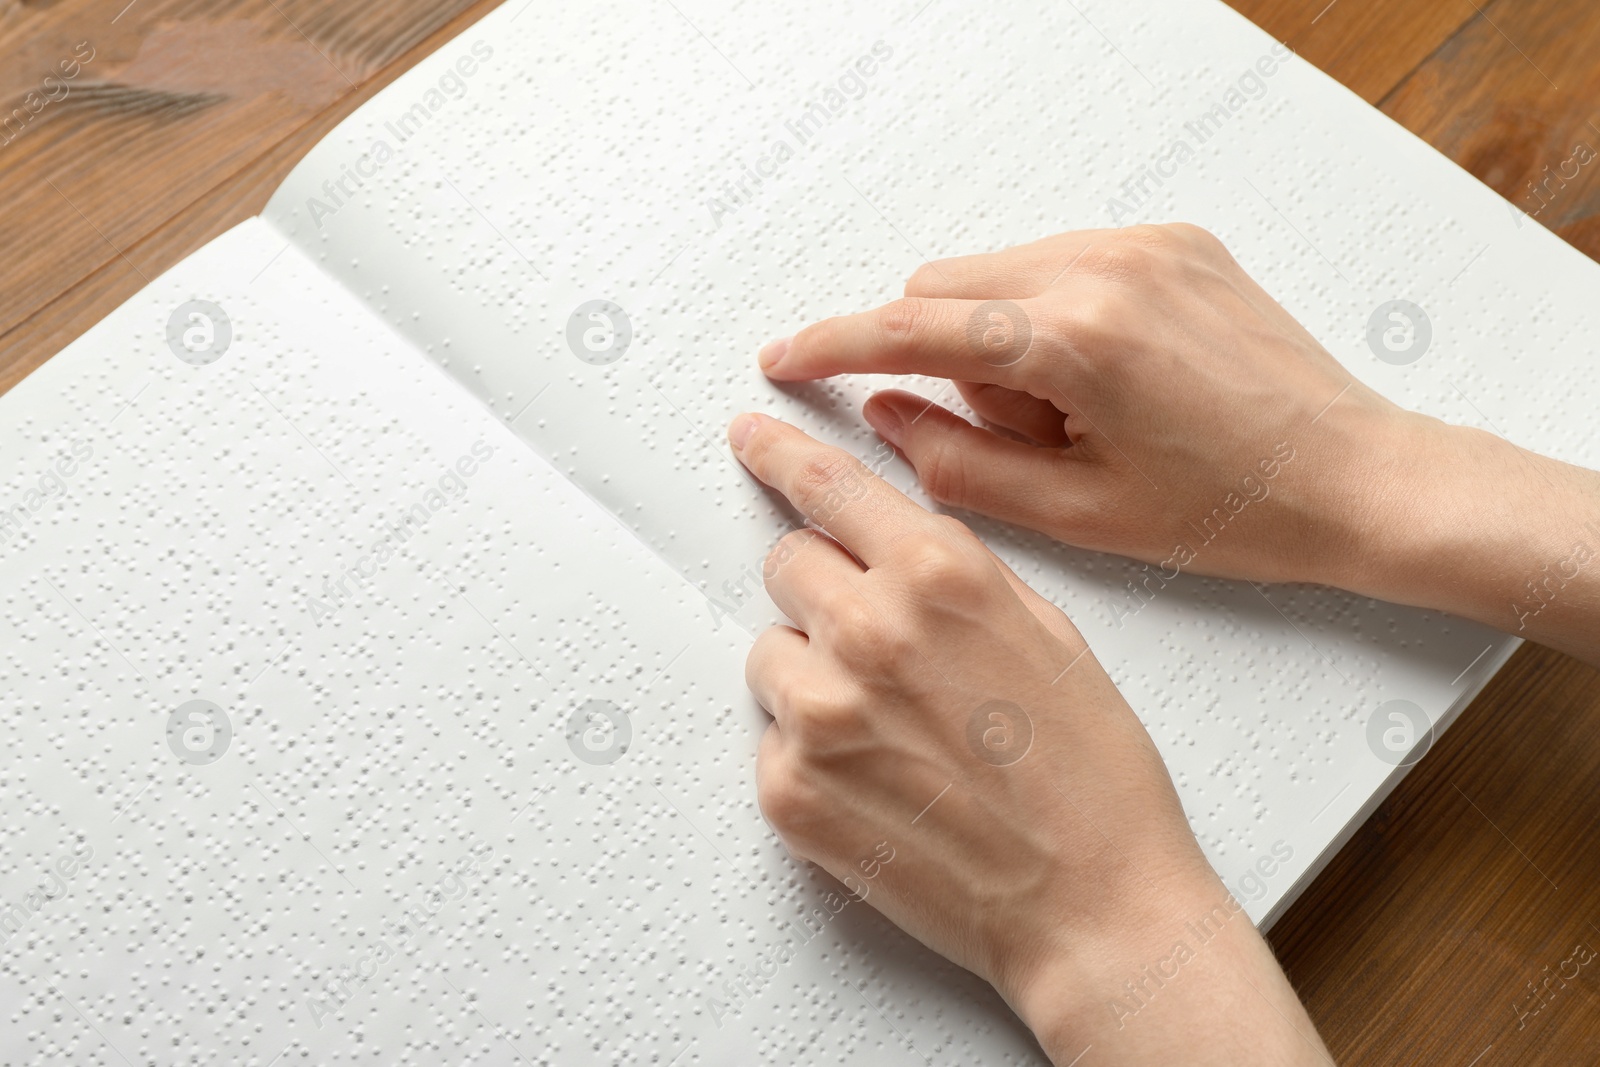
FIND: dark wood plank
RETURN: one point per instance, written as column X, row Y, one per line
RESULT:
column 1368, row 45
column 1511, row 98
column 1419, row 942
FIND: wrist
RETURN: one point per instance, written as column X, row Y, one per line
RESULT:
column 1074, row 986
column 1400, row 516
column 1460, row 520
column 1344, row 493
column 1184, row 978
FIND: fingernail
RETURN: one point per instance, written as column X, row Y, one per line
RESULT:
column 886, row 420
column 774, row 351
column 741, row 429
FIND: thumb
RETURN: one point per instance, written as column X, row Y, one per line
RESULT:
column 966, row 466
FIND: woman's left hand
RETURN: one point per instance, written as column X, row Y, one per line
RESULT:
column 930, row 707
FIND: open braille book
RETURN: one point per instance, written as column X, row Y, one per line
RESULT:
column 378, row 580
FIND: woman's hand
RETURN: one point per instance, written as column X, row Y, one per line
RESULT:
column 1150, row 399
column 944, row 741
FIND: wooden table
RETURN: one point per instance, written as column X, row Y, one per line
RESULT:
column 1479, row 876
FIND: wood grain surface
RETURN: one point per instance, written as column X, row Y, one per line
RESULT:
column 1442, row 932
column 182, row 124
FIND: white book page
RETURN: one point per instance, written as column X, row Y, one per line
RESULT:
column 672, row 161
column 340, row 725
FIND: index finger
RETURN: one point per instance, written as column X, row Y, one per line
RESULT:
column 990, row 341
column 830, row 487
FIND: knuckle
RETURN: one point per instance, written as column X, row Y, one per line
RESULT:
column 787, row 801
column 836, row 603
column 903, row 323
column 1095, row 320
column 938, row 562
column 856, row 622
column 943, row 474
column 865, row 641
column 759, row 675
column 825, row 480
column 822, row 723
column 1159, row 238
column 924, row 281
column 1196, row 237
column 1122, row 261
column 954, row 528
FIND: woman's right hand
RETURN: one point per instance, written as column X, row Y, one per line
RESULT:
column 1148, row 398
column 1152, row 400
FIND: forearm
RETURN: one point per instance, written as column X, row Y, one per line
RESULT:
column 1477, row 527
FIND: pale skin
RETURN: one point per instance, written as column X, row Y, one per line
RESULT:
column 1157, row 376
